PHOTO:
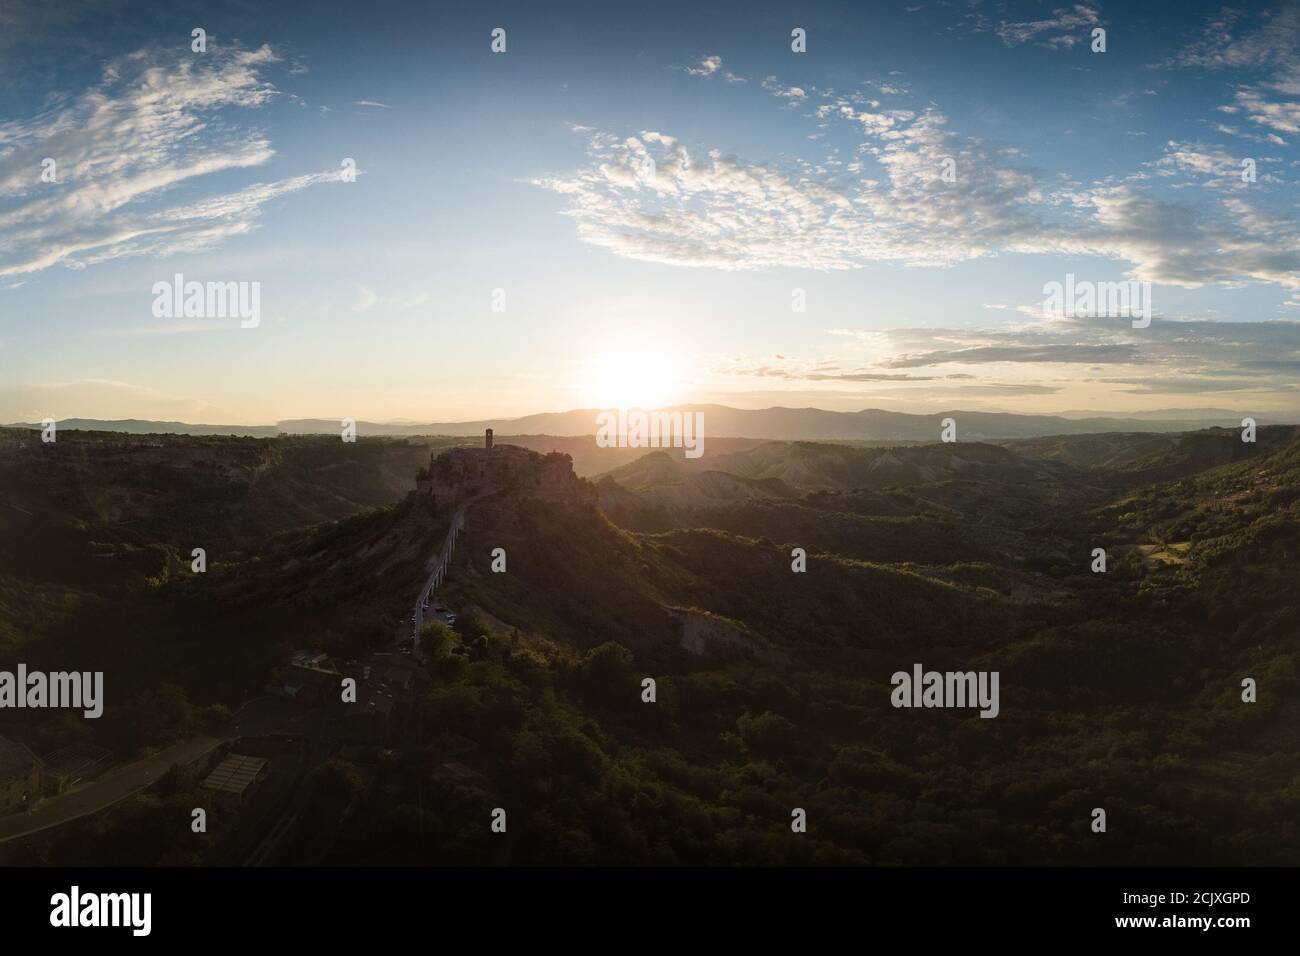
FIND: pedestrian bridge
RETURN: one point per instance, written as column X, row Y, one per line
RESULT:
column 439, row 571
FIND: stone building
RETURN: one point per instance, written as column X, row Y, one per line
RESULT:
column 463, row 473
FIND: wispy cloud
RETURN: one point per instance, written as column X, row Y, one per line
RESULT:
column 1063, row 29
column 1084, row 354
column 701, row 208
column 119, row 151
column 1269, row 41
column 1225, row 44
column 794, row 94
column 367, row 301
column 1174, row 356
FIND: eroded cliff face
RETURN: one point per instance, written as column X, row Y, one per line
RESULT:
column 707, row 635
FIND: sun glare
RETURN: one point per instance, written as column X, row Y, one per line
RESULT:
column 634, row 379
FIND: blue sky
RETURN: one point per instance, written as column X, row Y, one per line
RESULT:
column 775, row 175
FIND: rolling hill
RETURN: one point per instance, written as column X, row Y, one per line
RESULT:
column 721, row 421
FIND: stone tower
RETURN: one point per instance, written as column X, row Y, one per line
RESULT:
column 488, row 439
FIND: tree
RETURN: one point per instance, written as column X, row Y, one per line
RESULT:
column 768, row 733
column 606, row 674
column 436, row 639
column 337, row 779
column 214, row 717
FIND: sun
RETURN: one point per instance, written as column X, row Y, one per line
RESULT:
column 634, row 378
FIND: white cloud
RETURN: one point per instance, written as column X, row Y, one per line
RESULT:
column 711, row 65
column 708, row 66
column 1217, row 167
column 122, row 147
column 367, row 301
column 1281, row 115
column 1221, row 46
column 720, row 212
column 1272, row 43
column 1063, row 29
column 795, row 94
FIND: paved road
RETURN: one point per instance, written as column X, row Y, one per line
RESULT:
column 93, row 796
column 257, row 717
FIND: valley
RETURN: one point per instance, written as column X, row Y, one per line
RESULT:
column 1119, row 689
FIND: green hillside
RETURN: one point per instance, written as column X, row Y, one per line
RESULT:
column 773, row 687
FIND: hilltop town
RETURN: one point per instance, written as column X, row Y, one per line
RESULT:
column 460, row 474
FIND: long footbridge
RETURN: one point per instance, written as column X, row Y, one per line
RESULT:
column 439, row 571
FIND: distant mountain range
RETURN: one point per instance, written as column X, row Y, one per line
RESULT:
column 1165, row 414
column 788, row 424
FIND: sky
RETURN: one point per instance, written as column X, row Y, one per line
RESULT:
column 637, row 205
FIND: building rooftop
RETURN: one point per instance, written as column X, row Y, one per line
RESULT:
column 235, row 774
